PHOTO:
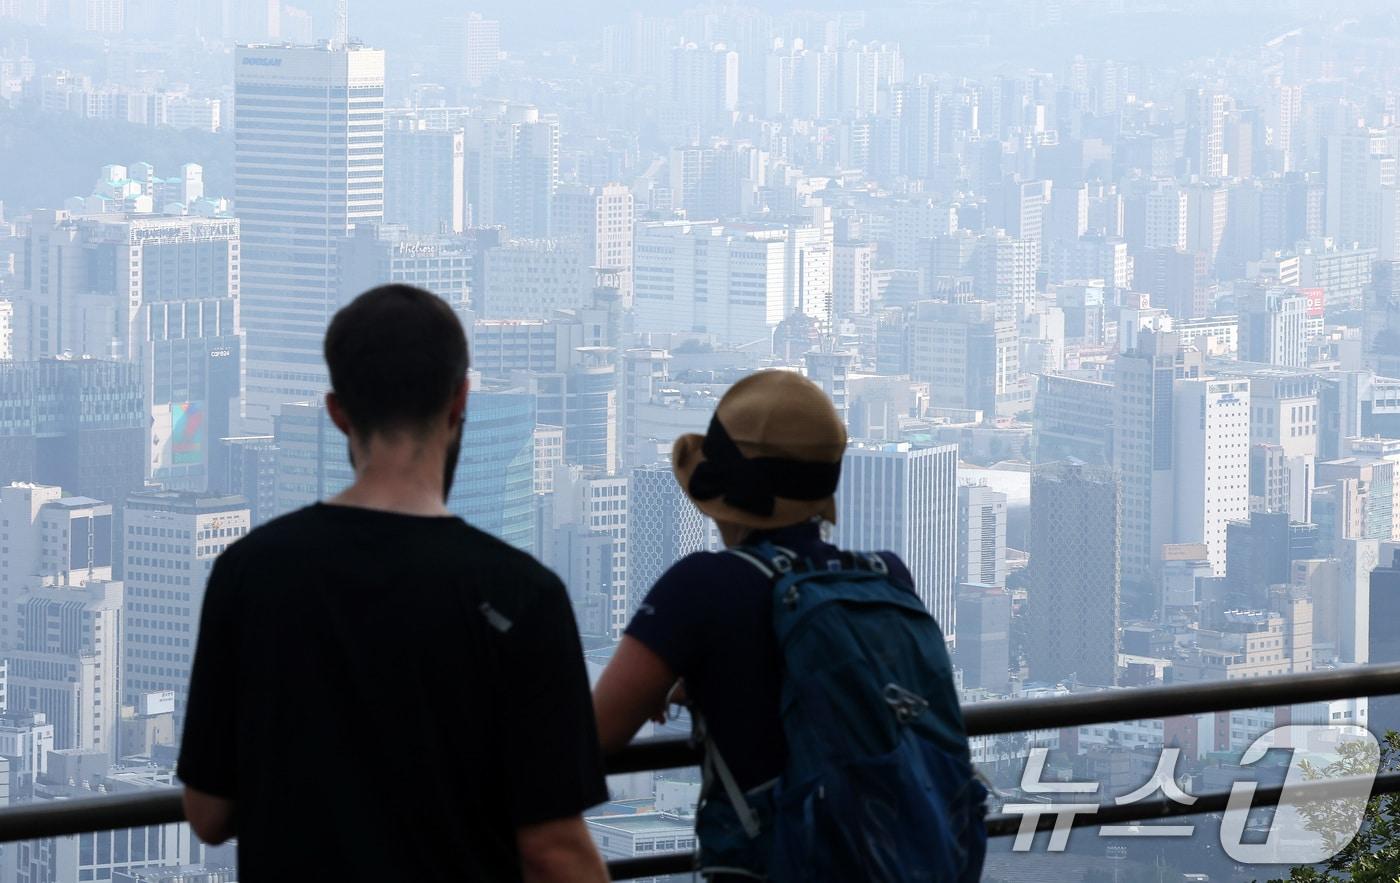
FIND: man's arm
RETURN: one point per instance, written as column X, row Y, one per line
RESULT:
column 211, row 817
column 208, row 764
column 559, row 850
column 631, row 690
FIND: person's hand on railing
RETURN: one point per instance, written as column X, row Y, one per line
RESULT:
column 676, row 698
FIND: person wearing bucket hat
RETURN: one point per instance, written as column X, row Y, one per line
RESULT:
column 766, row 470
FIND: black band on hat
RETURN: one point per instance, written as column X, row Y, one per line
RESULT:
column 754, row 484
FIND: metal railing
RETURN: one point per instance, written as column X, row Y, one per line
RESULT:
column 65, row 817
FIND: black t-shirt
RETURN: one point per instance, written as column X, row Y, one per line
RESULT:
column 387, row 697
column 710, row 618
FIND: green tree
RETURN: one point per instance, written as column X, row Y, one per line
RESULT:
column 1373, row 855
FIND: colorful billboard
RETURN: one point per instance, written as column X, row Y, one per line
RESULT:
column 189, row 433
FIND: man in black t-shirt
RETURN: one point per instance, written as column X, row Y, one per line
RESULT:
column 380, row 691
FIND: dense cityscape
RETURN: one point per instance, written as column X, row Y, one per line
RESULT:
column 1113, row 324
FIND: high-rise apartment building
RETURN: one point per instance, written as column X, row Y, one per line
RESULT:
column 292, row 103
column 905, row 499
column 1073, row 594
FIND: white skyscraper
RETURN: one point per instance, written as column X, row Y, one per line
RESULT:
column 326, row 103
column 1211, row 428
column 982, row 536
column 1168, row 217
column 904, row 499
column 169, row 543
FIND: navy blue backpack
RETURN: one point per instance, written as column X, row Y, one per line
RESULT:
column 879, row 785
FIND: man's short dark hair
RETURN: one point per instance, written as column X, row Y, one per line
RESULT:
column 397, row 355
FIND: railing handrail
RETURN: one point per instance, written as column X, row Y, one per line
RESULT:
column 69, row 816
column 1105, row 706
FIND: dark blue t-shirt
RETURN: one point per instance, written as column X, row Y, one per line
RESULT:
column 710, row 618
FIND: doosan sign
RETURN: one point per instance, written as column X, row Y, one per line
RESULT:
column 262, row 61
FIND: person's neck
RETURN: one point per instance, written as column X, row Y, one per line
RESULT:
column 397, row 475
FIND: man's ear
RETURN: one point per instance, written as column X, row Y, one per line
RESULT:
column 337, row 412
column 458, row 409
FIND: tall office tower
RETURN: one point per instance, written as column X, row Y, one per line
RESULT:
column 294, row 102
column 169, row 542
column 905, row 499
column 374, row 255
column 1285, row 418
column 512, row 168
column 312, row 460
column 602, row 218
column 582, row 398
column 534, row 278
column 1271, row 329
column 1023, row 207
column 916, row 105
column 831, row 370
column 477, row 50
column 1207, row 211
column 1260, row 553
column 852, row 278
column 1179, row 281
column 703, row 86
column 176, row 293
column 808, row 264
column 7, row 329
column 1168, row 217
column 1360, row 167
column 593, row 505
column 713, row 182
column 1144, row 453
column 1385, row 640
column 424, row 177
column 644, row 372
column 1068, row 217
column 663, row 527
column 1073, row 419
column 982, row 536
column 1006, row 268
column 969, row 357
column 1210, row 427
column 246, row 466
column 79, row 424
column 984, row 637
column 706, row 278
column 1073, row 595
column 67, row 659
column 1283, row 114
column 1210, row 159
column 494, row 485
